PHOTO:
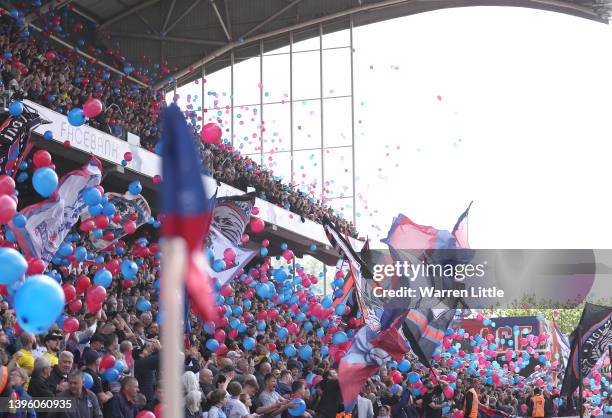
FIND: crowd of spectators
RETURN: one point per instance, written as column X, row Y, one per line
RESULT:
column 62, row 80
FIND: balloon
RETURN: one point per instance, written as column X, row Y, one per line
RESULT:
column 147, row 414
column 290, row 350
column 12, row 266
column 305, row 352
column 107, row 362
column 449, row 392
column 44, row 181
column 70, row 324
column 413, row 377
column 88, row 381
column 35, row 266
column 15, row 108
column 75, row 306
column 7, row 185
column 96, row 295
column 38, row 303
column 83, row 284
column 8, row 208
column 92, row 196
column 219, row 335
column 128, row 269
column 76, row 117
column 143, row 305
column 120, row 366
column 211, row 134
column 298, row 408
column 41, row 158
column 257, row 225
column 212, row 344
column 396, row 376
column 249, row 343
column 339, row 338
column 48, row 135
column 135, row 188
column 111, row 375
column 69, row 292
column 103, row 277
column 92, row 108
column 404, row 366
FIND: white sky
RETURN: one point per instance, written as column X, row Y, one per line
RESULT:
column 522, row 127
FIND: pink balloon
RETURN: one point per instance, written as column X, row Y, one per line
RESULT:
column 257, row 225
column 211, row 134
column 70, row 324
column 92, row 108
column 129, row 227
column 8, row 208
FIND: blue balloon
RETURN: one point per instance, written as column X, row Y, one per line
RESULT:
column 313, row 247
column 263, row 252
column 48, row 135
column 111, row 375
column 340, row 309
column 45, row 181
column 76, row 117
column 404, row 366
column 327, row 302
column 261, row 325
column 109, row 209
column 12, row 265
column 9, row 235
column 413, row 377
column 339, row 338
column 305, row 352
column 212, row 344
column 219, row 265
column 19, row 220
column 65, row 249
column 128, row 269
column 120, row 366
column 88, row 381
column 38, row 303
column 103, row 277
column 92, row 196
column 95, row 210
column 249, row 343
column 80, row 253
column 15, row 108
column 298, row 408
column 275, row 357
column 290, row 350
column 143, row 305
column 135, row 188
column 282, row 333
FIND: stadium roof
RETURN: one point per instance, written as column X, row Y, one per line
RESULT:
column 190, row 33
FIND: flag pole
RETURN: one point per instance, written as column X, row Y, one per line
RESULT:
column 580, row 383
column 174, row 260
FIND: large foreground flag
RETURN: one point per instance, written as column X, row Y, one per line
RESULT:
column 187, row 203
column 589, row 342
column 49, row 221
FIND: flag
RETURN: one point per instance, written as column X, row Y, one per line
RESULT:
column 232, row 214
column 15, row 137
column 427, row 319
column 187, row 203
column 589, row 342
column 49, row 221
column 560, row 343
column 128, row 207
column 217, row 244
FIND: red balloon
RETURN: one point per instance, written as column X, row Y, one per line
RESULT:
column 93, row 308
column 219, row 335
column 107, row 362
column 75, row 306
column 101, row 221
column 129, row 227
column 7, row 184
column 221, row 350
column 8, row 208
column 87, row 225
column 35, row 266
column 257, row 225
column 41, row 158
column 271, row 347
column 127, row 156
column 149, row 414
column 92, row 108
column 96, row 295
column 83, row 284
column 50, row 55
column 226, row 290
column 69, row 292
column 211, row 134
column 396, row 376
column 70, row 324
column 232, row 333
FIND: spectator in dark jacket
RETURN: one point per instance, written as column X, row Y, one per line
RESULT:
column 146, row 366
column 123, row 405
column 85, row 403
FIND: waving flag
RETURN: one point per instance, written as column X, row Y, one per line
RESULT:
column 187, row 202
column 49, row 221
column 15, row 137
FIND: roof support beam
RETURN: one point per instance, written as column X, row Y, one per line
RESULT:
column 128, row 12
column 143, row 19
column 271, row 18
column 53, row 5
column 228, row 19
column 193, row 5
column 168, row 15
column 182, row 40
column 221, row 22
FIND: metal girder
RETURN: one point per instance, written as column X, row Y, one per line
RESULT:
column 271, row 18
column 221, row 22
column 128, row 12
column 228, row 19
column 168, row 15
column 182, row 40
column 143, row 19
column 193, row 5
column 30, row 17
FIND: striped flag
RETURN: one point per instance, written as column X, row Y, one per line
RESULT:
column 187, row 203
